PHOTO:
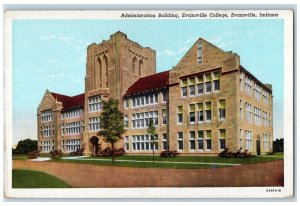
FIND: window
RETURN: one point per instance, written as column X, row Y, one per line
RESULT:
column 208, row 140
column 126, row 103
column 127, row 143
column 241, row 138
column 94, row 103
column 47, row 146
column 47, row 115
column 208, row 111
column 241, row 82
column 180, row 140
column 192, row 141
column 47, row 131
column 200, row 140
column 200, row 112
column 248, row 140
column 265, row 118
column 266, row 141
column 71, row 113
column 222, row 137
column 265, row 96
column 184, row 87
column 222, row 110
column 126, row 121
column 192, row 86
column 208, row 83
column 94, row 123
column 165, row 141
column 199, row 52
column 164, row 116
column 72, row 128
column 72, row 145
column 165, row 96
column 179, row 115
column 257, row 91
column 257, row 116
column 200, row 85
column 241, row 109
column 142, row 120
column 192, row 113
column 248, row 86
column 144, row 100
column 248, row 112
column 216, row 81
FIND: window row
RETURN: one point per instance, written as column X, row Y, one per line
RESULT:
column 94, row 103
column 72, row 113
column 71, row 128
column 203, row 112
column 201, row 84
column 144, row 143
column 203, row 141
column 47, row 115
column 71, row 145
column 258, row 90
column 142, row 120
column 149, row 98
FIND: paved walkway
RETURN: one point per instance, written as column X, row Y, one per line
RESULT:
column 163, row 162
column 89, row 176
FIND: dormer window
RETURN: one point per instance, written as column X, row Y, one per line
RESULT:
column 199, row 52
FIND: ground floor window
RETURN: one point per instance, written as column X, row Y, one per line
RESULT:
column 71, row 145
column 144, row 143
column 266, row 142
column 192, row 141
column 165, row 141
column 47, row 146
column 180, row 140
column 126, row 143
column 248, row 140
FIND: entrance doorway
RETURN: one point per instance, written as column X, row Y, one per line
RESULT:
column 258, row 145
column 95, row 143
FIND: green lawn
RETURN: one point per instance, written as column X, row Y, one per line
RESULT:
column 178, row 162
column 35, row 179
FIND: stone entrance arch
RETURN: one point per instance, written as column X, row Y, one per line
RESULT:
column 95, row 143
column 258, row 152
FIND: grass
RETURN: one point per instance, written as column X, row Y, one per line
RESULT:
column 159, row 161
column 35, row 179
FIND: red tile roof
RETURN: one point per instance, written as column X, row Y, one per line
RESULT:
column 69, row 102
column 148, row 83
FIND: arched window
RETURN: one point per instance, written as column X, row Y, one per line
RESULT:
column 105, row 72
column 141, row 65
column 99, row 72
column 134, row 65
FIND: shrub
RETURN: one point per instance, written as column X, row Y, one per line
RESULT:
column 109, row 152
column 227, row 153
column 33, row 155
column 56, row 154
column 169, row 153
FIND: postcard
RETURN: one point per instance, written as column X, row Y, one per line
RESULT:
column 149, row 104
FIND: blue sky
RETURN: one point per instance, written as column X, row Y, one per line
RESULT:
column 50, row 54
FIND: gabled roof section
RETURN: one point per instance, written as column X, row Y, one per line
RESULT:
column 69, row 102
column 148, row 83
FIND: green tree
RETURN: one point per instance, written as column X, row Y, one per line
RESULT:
column 151, row 131
column 111, row 123
column 26, row 146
